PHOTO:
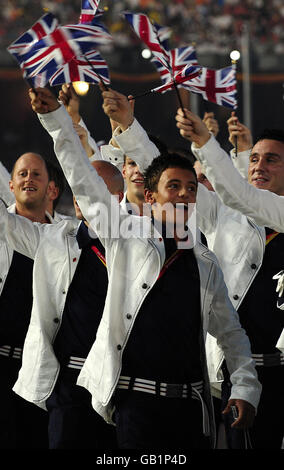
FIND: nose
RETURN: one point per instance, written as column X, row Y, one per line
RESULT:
column 260, row 165
column 28, row 176
column 184, row 192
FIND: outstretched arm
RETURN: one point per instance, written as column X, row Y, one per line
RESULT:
column 264, row 207
column 71, row 101
column 87, row 186
column 241, row 139
column 129, row 135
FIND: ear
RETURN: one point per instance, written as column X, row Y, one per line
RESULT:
column 11, row 186
column 120, row 196
column 52, row 191
column 123, row 171
column 149, row 196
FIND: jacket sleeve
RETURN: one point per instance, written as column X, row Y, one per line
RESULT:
column 224, row 325
column 241, row 162
column 20, row 233
column 135, row 143
column 207, row 207
column 89, row 189
column 264, row 207
column 92, row 143
column 6, row 195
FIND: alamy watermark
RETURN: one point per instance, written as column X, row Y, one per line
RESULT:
column 157, row 221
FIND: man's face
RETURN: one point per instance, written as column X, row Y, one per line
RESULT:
column 201, row 178
column 29, row 182
column 134, row 179
column 266, row 167
column 178, row 187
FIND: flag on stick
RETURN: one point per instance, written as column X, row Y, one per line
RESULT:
column 216, row 86
column 88, row 68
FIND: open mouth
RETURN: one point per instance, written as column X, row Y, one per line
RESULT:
column 138, row 181
column 29, row 188
column 260, row 180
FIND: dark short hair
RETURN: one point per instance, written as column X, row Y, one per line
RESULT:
column 161, row 163
column 271, row 134
column 56, row 174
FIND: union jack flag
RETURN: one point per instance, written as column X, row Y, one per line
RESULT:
column 61, row 46
column 189, row 72
column 178, row 59
column 41, row 28
column 88, row 68
column 146, row 31
column 216, row 86
column 163, row 33
column 89, row 10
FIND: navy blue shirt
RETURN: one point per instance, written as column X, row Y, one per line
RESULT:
column 164, row 343
column 16, row 301
column 258, row 313
column 84, row 303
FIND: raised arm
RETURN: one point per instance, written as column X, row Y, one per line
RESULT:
column 87, row 186
column 71, row 101
column 129, row 136
column 264, row 207
column 207, row 202
column 241, row 134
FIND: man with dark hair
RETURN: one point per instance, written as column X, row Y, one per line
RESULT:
column 153, row 172
column 250, row 256
column 149, row 354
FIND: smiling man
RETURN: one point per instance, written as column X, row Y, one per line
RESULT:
column 22, row 426
column 30, row 185
column 266, row 162
column 134, row 180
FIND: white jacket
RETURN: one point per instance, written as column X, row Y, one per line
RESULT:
column 56, row 254
column 244, row 245
column 6, row 251
column 133, row 266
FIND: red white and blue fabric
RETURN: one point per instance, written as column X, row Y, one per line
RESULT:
column 178, row 59
column 146, row 31
column 41, row 28
column 188, row 73
column 216, row 86
column 163, row 33
column 61, row 46
column 88, row 68
column 89, row 10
